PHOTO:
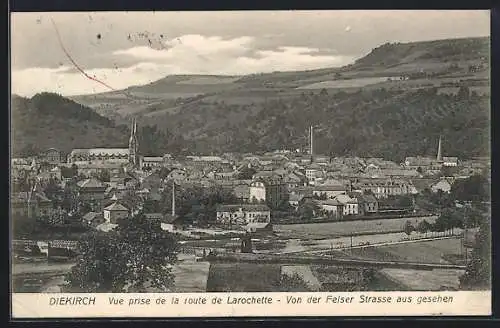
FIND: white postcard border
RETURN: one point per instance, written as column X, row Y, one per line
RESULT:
column 455, row 303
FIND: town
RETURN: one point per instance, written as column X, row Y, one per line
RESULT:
column 282, row 206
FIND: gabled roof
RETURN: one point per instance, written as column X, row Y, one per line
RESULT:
column 422, row 184
column 106, row 226
column 169, row 218
column 243, row 207
column 152, row 159
column 101, row 151
column 329, row 188
column 314, row 166
column 331, row 202
column 22, row 197
column 154, row 216
column 258, row 225
column 91, row 183
column 264, row 174
column 345, row 199
column 295, row 197
column 116, row 207
column 90, row 216
column 368, row 198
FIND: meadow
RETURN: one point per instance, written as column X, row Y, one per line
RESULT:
column 337, row 229
column 423, row 252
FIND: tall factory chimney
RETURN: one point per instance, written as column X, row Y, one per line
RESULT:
column 173, row 198
column 311, row 141
column 439, row 157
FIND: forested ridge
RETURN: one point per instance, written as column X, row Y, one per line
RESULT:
column 49, row 120
column 386, row 123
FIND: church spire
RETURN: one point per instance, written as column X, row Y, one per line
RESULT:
column 133, row 145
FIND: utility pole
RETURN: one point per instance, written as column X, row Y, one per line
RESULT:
column 464, row 238
column 351, row 243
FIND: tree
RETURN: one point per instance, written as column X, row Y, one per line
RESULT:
column 448, row 219
column 408, row 228
column 292, row 283
column 448, row 171
column 475, row 189
column 246, row 173
column 104, row 175
column 424, row 226
column 478, row 272
column 131, row 200
column 70, row 201
column 420, row 170
column 463, row 93
column 164, row 172
column 132, row 258
column 74, row 169
column 308, row 210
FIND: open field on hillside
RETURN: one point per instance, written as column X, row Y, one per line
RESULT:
column 209, row 80
column 350, row 83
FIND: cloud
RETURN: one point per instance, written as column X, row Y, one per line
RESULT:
column 66, row 81
column 188, row 54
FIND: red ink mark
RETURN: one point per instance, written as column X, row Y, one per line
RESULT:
column 74, row 63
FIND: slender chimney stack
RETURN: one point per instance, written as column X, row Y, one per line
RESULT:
column 173, row 198
column 311, row 140
column 439, row 154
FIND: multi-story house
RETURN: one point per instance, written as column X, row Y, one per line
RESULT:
column 370, row 203
column 243, row 214
column 36, row 205
column 314, row 172
column 150, row 162
column 443, row 185
column 383, row 188
column 114, row 212
column 51, row 155
column 450, row 161
column 92, row 191
column 273, row 191
column 329, row 191
column 293, row 180
column 333, row 208
column 352, row 205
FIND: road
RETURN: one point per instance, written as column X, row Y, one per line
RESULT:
column 310, row 260
column 374, row 245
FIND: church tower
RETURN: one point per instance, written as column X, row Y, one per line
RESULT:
column 133, row 145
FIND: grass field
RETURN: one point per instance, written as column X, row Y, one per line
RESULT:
column 243, row 277
column 423, row 252
column 335, row 229
column 425, row 280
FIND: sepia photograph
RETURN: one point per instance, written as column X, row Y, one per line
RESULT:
column 250, row 152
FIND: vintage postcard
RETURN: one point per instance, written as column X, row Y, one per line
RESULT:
column 272, row 163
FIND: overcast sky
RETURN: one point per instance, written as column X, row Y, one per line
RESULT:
column 131, row 48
